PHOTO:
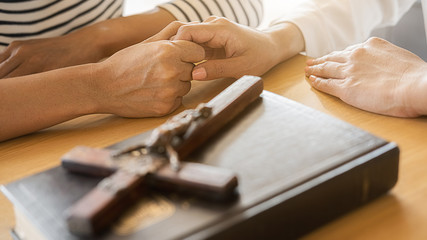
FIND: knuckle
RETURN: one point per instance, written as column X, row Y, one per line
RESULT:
column 211, row 18
column 358, row 52
column 164, row 108
column 20, row 49
column 184, row 28
column 165, row 51
column 160, row 110
column 317, row 83
column 348, row 68
column 187, row 87
column 176, row 24
column 222, row 21
column 345, row 67
column 320, row 67
column 168, row 72
column 168, row 93
column 183, row 31
column 219, row 70
column 374, row 40
column 341, row 68
column 320, row 60
column 15, row 44
column 352, row 69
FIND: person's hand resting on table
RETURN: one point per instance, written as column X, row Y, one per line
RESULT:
column 376, row 76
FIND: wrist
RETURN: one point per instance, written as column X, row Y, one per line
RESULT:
column 288, row 38
column 85, row 99
column 89, row 42
column 419, row 96
column 111, row 36
column 97, row 86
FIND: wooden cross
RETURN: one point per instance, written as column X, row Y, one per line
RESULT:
column 156, row 162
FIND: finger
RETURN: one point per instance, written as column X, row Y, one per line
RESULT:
column 184, row 88
column 212, row 35
column 214, row 53
column 189, row 23
column 8, row 66
column 176, row 104
column 186, row 72
column 329, row 86
column 337, row 56
column 326, row 70
column 190, row 52
column 15, row 73
column 21, row 70
column 166, row 33
column 211, row 19
column 352, row 47
column 5, row 54
column 221, row 68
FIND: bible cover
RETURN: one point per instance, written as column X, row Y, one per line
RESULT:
column 298, row 169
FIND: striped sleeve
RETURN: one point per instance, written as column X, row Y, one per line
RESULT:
column 23, row 19
column 246, row 12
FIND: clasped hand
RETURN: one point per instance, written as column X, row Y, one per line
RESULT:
column 150, row 78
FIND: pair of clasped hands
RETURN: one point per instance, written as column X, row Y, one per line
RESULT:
column 147, row 79
column 150, row 78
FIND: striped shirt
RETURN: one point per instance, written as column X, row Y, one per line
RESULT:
column 28, row 19
column 247, row 12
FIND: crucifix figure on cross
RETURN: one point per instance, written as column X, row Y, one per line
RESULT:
column 157, row 161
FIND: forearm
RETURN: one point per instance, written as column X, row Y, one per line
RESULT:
column 287, row 41
column 37, row 101
column 417, row 92
column 107, row 37
column 330, row 25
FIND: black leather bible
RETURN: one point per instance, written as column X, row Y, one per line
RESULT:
column 297, row 169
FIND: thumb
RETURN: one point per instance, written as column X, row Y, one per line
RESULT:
column 221, row 68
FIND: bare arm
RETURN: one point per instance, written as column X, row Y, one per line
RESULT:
column 146, row 79
column 329, row 25
column 98, row 41
column 89, row 44
column 37, row 101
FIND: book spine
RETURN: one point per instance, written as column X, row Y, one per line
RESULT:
column 324, row 198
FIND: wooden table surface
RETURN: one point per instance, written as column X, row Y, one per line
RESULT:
column 402, row 214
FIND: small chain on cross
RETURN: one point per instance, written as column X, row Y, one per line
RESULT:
column 164, row 138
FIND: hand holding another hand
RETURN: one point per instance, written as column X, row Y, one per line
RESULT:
column 147, row 79
column 233, row 50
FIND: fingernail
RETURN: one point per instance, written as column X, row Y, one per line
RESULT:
column 199, row 73
column 309, row 61
column 312, row 78
column 306, row 71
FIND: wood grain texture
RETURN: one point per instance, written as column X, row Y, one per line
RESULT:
column 225, row 106
column 399, row 215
